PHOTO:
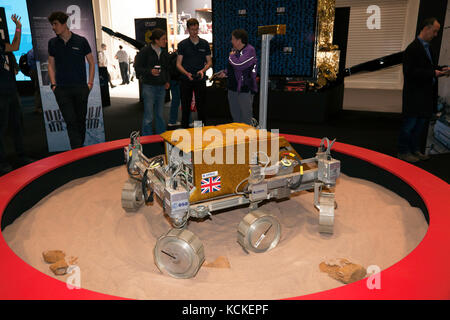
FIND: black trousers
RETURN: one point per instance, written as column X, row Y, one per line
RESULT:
column 104, row 75
column 186, row 89
column 72, row 102
column 37, row 92
column 124, row 72
column 10, row 114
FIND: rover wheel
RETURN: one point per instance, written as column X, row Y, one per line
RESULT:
column 132, row 197
column 179, row 253
column 327, row 205
column 259, row 231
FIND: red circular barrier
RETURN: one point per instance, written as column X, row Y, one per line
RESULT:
column 423, row 274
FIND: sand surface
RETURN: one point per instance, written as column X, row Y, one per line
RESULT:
column 84, row 218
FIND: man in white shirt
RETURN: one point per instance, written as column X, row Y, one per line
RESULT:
column 122, row 56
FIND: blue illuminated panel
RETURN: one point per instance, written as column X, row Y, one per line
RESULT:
column 292, row 54
column 18, row 7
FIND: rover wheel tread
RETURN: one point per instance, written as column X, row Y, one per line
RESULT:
column 132, row 197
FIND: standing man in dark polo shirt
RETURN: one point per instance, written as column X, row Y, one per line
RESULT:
column 67, row 71
column 194, row 58
column 10, row 113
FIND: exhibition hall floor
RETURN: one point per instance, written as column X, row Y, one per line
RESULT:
column 114, row 249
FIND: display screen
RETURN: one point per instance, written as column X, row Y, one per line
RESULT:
column 292, row 54
column 18, row 7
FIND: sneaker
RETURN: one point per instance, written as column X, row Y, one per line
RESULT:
column 197, row 123
column 5, row 168
column 191, row 125
column 421, row 156
column 408, row 157
column 174, row 124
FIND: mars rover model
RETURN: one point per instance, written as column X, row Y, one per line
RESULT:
column 189, row 185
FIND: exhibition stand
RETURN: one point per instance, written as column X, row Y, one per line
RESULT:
column 420, row 275
column 306, row 107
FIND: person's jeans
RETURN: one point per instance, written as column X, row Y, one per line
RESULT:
column 73, row 102
column 124, row 72
column 176, row 102
column 410, row 133
column 11, row 114
column 153, row 98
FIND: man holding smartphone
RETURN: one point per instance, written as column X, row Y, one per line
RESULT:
column 194, row 58
column 420, row 91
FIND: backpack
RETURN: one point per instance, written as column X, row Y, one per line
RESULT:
column 24, row 66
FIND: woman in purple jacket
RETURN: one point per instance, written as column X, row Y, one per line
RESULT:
column 241, row 73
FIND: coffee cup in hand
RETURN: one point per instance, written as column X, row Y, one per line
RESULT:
column 157, row 69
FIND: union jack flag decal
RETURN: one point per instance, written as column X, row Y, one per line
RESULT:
column 210, row 184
